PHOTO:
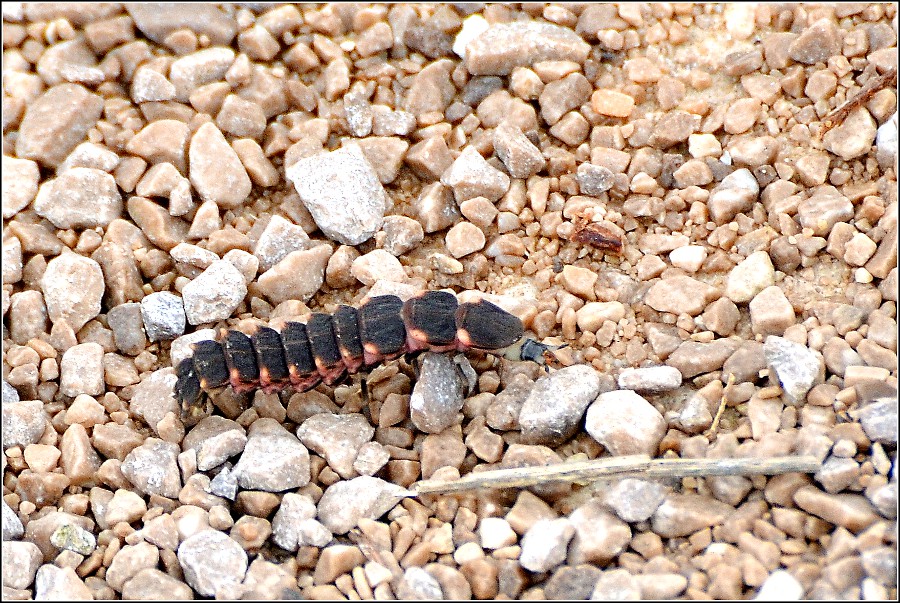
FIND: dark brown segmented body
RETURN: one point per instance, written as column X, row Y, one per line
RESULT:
column 327, row 347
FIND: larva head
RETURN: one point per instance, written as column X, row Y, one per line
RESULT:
column 535, row 351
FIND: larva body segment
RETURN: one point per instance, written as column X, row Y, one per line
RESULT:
column 328, row 347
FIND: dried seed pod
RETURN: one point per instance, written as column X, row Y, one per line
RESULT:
column 328, row 347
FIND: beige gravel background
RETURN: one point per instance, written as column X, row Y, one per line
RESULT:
column 700, row 200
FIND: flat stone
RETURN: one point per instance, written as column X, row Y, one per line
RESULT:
column 505, row 46
column 215, row 294
column 338, row 438
column 79, row 198
column 680, row 295
column 212, row 561
column 853, row 137
column 823, row 210
column 56, row 122
column 683, row 514
column 216, row 171
column 401, row 234
column 471, row 176
column 346, row 502
column 750, row 277
column 553, row 409
column 850, row 511
column 20, row 184
column 298, row 276
column 817, row 43
column 153, row 468
column 342, row 192
column 651, row 379
column 273, row 459
column 625, row 423
column 81, row 370
column 204, row 19
column 215, row 439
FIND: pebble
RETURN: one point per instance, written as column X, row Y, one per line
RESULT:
column 521, row 158
column 149, row 85
column 401, row 234
column 273, row 459
column 298, row 276
column 836, row 474
column 346, row 502
column 336, row 560
column 736, row 194
column 496, row 533
column 292, row 512
column 56, row 122
column 342, row 192
column 23, row 422
column 599, row 535
column 561, row 96
column 215, row 294
column 378, row 265
column 683, row 514
column 20, row 185
column 20, row 563
column 594, row 179
column 215, row 439
column 59, row 584
column 616, row 585
column 689, row 258
column 204, row 19
column 418, row 585
column 612, row 103
column 127, row 326
column 556, row 403
column 463, row 239
column 780, row 585
column 279, row 238
column 825, row 208
column 153, row 468
column 430, row 158
column 850, row 511
column 12, row 525
column 651, row 379
column 545, row 543
column 625, row 423
column 750, row 277
column 79, row 198
column 437, row 396
column 472, row 27
column 198, row 68
column 371, row 458
column 81, row 370
column 885, row 143
column 853, row 137
column 151, row 584
column 216, row 171
column 338, row 438
column 224, row 484
column 635, row 500
column 471, row 176
column 152, row 398
column 796, row 367
column 72, row 537
column 504, row 46
column 878, row 420
column 680, row 295
column 435, row 208
column 163, row 316
column 431, row 90
column 385, row 154
column 241, row 118
column 73, row 288
column 129, row 561
column 817, row 43
column 163, row 141
column 770, row 312
column 212, row 561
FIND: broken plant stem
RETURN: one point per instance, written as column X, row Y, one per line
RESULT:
column 619, row 467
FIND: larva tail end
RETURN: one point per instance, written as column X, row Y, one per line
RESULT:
column 535, row 351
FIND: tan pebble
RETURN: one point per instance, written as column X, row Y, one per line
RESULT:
column 463, row 239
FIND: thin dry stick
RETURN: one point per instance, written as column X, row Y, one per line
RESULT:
column 619, row 467
column 836, row 117
column 722, row 403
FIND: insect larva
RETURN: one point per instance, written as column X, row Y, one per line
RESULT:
column 328, row 347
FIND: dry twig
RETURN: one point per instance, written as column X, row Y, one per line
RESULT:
column 619, row 467
column 837, row 117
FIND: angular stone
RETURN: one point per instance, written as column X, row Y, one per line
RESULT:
column 471, row 176
column 625, row 423
column 79, row 198
column 342, row 192
column 216, row 171
column 73, row 288
column 554, row 407
column 298, row 276
column 56, row 122
column 215, row 294
column 505, row 46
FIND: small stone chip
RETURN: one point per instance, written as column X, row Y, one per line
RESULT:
column 471, row 176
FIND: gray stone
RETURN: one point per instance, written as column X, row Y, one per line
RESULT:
column 338, row 438
column 212, row 561
column 553, row 409
column 23, row 422
column 153, row 468
column 163, row 316
column 796, row 367
column 342, row 192
column 215, row 294
column 273, row 460
column 437, row 396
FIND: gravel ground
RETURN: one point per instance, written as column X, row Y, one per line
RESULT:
column 663, row 187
